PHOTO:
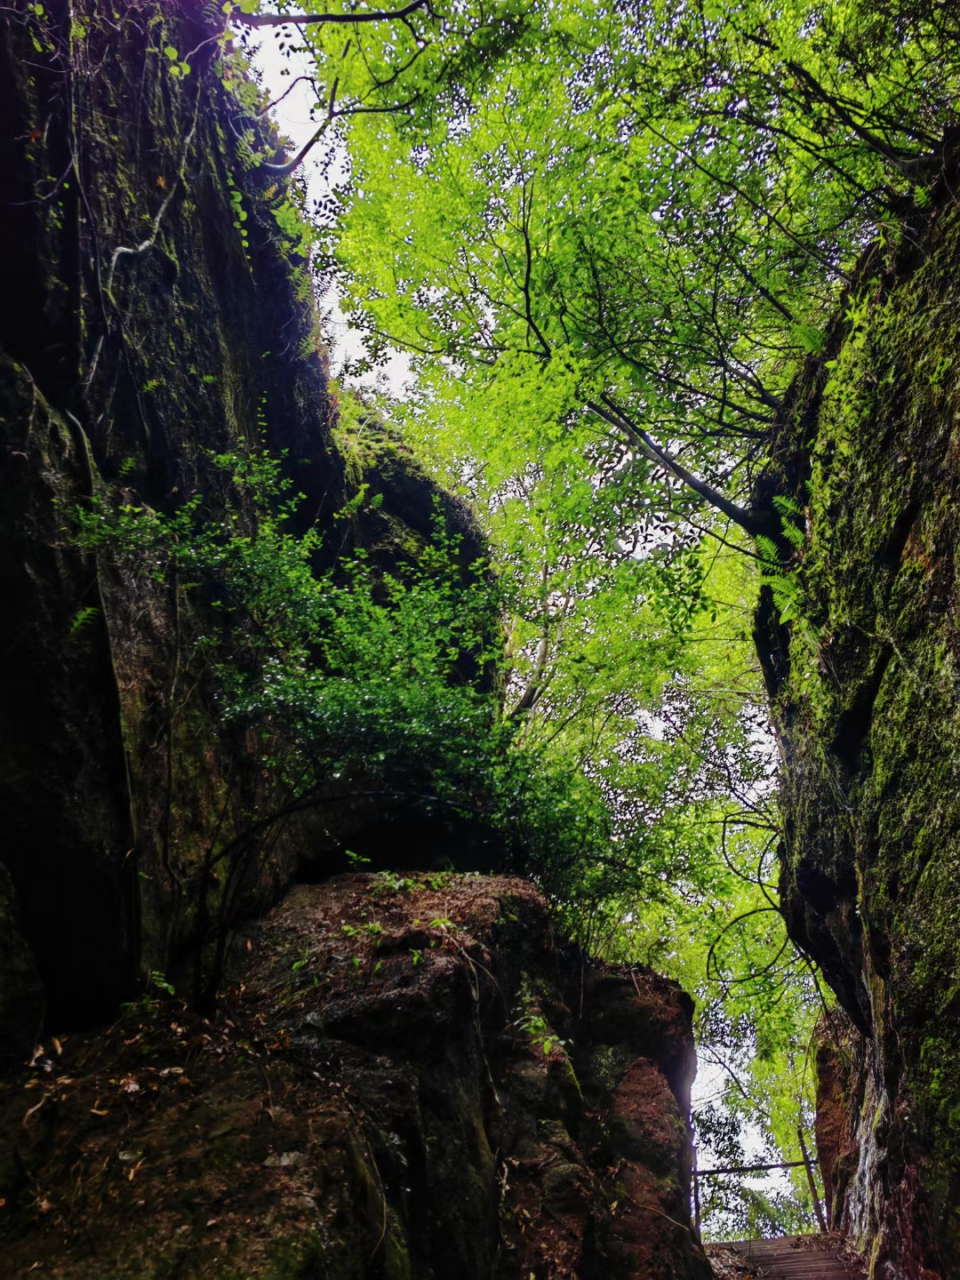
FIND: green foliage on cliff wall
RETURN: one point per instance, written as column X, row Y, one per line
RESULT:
column 349, row 667
column 358, row 673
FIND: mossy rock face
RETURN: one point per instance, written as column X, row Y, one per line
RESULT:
column 866, row 693
column 123, row 361
column 154, row 311
column 397, row 1088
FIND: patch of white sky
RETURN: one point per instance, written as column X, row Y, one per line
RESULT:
column 296, row 116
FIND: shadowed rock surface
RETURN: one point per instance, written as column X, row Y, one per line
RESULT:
column 409, row 1078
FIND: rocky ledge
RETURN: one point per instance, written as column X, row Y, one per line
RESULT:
column 407, row 1078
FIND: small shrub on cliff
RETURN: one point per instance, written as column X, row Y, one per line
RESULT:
column 350, row 668
column 376, row 681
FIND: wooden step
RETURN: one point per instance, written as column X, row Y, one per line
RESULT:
column 797, row 1258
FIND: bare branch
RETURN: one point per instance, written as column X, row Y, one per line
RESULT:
column 655, row 453
column 317, row 19
column 284, row 170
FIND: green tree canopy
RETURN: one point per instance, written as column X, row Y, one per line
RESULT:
column 667, row 200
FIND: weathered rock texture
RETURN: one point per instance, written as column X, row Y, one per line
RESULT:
column 155, row 305
column 866, row 696
column 409, row 1081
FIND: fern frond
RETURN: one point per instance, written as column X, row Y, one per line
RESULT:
column 768, row 550
column 787, row 506
column 793, row 534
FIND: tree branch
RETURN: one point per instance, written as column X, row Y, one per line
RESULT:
column 316, row 19
column 611, row 413
column 284, row 170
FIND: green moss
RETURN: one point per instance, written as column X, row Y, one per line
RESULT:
column 873, row 793
column 396, row 1254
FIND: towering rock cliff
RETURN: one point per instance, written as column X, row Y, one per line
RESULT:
column 865, row 688
column 156, row 307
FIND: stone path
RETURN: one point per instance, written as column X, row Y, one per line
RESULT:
column 797, row 1258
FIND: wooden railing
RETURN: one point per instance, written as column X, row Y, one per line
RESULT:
column 805, row 1163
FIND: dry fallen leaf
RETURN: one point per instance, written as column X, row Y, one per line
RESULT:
column 129, row 1085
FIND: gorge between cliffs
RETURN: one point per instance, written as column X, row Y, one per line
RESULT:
column 498, row 826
